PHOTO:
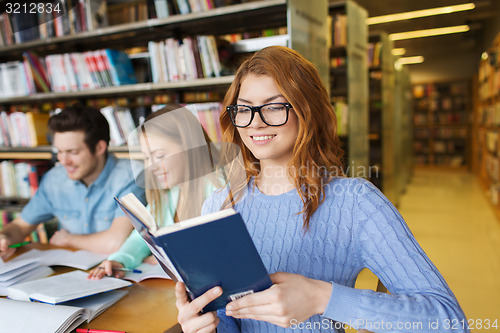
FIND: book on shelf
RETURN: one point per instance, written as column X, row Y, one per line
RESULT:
column 64, row 287
column 121, row 124
column 96, row 13
column 208, row 115
column 120, row 67
column 38, row 72
column 38, row 128
column 20, row 316
column 203, row 252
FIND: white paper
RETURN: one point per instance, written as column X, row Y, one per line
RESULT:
column 64, row 287
column 78, row 259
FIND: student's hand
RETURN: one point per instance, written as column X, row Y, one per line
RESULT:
column 292, row 298
column 5, row 250
column 106, row 268
column 189, row 316
column 61, row 238
column 151, row 260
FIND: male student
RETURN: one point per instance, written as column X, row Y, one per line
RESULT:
column 79, row 192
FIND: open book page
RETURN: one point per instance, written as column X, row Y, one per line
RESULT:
column 195, row 221
column 136, row 207
column 35, row 273
column 97, row 304
column 78, row 259
column 140, row 226
column 15, row 267
column 64, row 287
column 22, row 317
column 148, row 272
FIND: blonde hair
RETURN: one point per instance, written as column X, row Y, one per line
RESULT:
column 317, row 148
column 181, row 127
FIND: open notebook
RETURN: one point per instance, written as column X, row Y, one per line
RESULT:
column 22, row 317
column 63, row 287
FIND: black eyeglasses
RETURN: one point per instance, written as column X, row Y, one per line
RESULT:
column 272, row 114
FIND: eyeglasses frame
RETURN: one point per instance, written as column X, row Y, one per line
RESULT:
column 257, row 109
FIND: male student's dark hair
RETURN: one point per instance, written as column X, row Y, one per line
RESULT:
column 82, row 118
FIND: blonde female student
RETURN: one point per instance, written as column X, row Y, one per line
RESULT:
column 177, row 178
column 314, row 228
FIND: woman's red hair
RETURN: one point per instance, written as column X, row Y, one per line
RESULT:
column 316, row 154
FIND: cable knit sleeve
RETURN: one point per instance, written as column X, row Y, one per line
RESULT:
column 419, row 299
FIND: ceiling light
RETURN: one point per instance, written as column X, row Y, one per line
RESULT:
column 398, row 51
column 419, row 13
column 429, row 32
column 484, row 55
column 410, row 60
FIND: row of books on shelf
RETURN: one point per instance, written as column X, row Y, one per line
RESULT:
column 184, row 59
column 336, row 62
column 21, row 179
column 448, row 160
column 64, row 18
column 489, row 86
column 491, row 141
column 449, row 147
column 440, row 133
column 440, row 147
column 65, row 72
column 29, row 129
column 23, row 129
column 489, row 71
column 448, row 103
column 440, row 118
column 54, row 19
column 140, row 10
column 449, row 117
column 441, row 89
column 374, row 54
column 338, row 27
column 489, row 115
column 121, row 125
column 121, row 122
column 39, row 235
column 441, row 104
column 492, row 167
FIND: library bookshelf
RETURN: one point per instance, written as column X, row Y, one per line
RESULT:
column 304, row 24
column 441, row 126
column 382, row 114
column 349, row 83
column 486, row 124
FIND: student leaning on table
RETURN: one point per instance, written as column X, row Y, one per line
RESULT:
column 178, row 178
column 79, row 191
column 314, row 228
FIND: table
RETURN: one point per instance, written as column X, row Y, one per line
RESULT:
column 149, row 307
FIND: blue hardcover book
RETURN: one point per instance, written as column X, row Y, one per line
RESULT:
column 120, row 67
column 203, row 252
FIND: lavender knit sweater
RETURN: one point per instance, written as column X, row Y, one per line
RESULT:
column 355, row 227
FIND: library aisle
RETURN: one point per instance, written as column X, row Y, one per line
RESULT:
column 452, row 220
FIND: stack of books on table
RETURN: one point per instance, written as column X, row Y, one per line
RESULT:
column 58, row 303
column 34, row 264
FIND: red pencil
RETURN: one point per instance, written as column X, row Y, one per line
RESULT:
column 91, row 330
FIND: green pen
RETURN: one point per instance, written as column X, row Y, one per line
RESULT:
column 14, row 246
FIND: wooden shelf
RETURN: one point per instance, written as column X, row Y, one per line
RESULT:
column 46, row 153
column 141, row 88
column 229, row 19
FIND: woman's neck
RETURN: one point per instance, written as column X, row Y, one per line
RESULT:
column 274, row 180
